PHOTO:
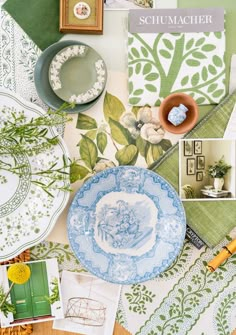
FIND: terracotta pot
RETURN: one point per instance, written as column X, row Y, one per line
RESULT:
column 173, row 100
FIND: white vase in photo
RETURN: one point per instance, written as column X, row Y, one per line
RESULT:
column 218, row 183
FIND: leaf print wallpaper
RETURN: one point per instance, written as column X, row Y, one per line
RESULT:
column 160, row 64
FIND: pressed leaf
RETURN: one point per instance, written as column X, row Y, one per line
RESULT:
column 144, row 52
column 212, row 88
column 147, row 68
column 185, row 80
column 151, row 88
column 88, row 152
column 91, row 134
column 138, row 68
column 200, row 41
column 101, row 141
column 204, row 73
column 200, row 101
column 119, row 133
column 168, row 44
column 152, row 76
column 165, row 53
column 217, row 61
column 199, row 55
column 189, row 44
column 127, row 155
column 86, row 122
column 208, row 47
column 134, row 101
column 212, row 69
column 218, row 93
column 77, row 172
column 195, row 79
column 131, row 71
column 192, row 62
column 112, row 107
column 135, row 52
column 138, row 92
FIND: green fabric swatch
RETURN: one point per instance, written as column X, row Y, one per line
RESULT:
column 211, row 220
column 38, row 18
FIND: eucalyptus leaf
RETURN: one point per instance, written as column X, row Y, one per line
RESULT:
column 131, row 87
column 130, row 40
column 189, row 44
column 165, row 53
column 86, row 122
column 112, row 107
column 101, row 141
column 184, row 81
column 127, row 155
column 168, row 44
column 77, row 172
column 152, row 76
column 218, row 34
column 138, row 92
column 208, row 47
column 151, row 88
column 144, row 52
column 195, row 79
column 199, row 55
column 204, row 73
column 134, row 100
column 88, row 152
column 119, row 133
column 217, row 61
column 135, row 52
column 147, row 68
column 138, row 68
column 192, row 62
column 130, row 57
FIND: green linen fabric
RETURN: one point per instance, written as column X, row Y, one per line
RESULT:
column 38, row 18
column 211, row 220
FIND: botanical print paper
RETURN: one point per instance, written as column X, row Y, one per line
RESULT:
column 160, row 64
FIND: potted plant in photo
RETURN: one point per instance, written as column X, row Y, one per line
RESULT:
column 218, row 171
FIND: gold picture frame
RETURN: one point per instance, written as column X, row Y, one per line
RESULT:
column 81, row 17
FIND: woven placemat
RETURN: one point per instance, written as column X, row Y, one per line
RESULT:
column 22, row 329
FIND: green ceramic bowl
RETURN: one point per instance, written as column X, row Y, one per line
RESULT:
column 41, row 79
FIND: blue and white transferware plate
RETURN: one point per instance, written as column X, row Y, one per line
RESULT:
column 126, row 225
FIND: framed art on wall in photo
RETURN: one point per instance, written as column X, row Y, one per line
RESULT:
column 190, row 167
column 81, row 17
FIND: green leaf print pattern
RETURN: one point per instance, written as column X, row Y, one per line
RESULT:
column 226, row 307
column 171, row 63
column 139, row 298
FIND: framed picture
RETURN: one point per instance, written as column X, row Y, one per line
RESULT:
column 188, row 148
column 197, row 147
column 200, row 162
column 199, row 176
column 190, row 166
column 83, row 17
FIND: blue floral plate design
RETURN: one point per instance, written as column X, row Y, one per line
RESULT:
column 126, row 225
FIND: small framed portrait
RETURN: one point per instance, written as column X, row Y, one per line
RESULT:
column 81, row 16
column 190, row 167
column 199, row 176
column 200, row 162
column 188, row 148
column 197, row 147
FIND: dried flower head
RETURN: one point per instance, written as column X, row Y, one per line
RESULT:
column 18, row 273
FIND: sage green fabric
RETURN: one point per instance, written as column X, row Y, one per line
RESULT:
column 38, row 18
column 211, row 220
